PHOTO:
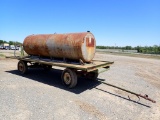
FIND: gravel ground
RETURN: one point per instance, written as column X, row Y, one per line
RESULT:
column 39, row 95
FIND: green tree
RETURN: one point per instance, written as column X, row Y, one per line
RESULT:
column 14, row 43
column 128, row 47
column 1, row 41
column 11, row 43
column 155, row 49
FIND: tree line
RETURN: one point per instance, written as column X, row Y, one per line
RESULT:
column 10, row 42
column 140, row 49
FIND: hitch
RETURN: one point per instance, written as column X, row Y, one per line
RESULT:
column 138, row 95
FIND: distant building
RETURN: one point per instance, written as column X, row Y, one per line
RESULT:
column 4, row 46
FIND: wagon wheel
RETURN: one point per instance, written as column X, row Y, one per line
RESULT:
column 47, row 67
column 22, row 67
column 92, row 75
column 69, row 78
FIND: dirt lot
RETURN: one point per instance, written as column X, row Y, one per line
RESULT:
column 39, row 95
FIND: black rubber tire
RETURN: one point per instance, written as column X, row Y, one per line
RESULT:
column 47, row 67
column 69, row 78
column 22, row 67
column 92, row 75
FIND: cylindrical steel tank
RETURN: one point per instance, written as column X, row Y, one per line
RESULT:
column 72, row 45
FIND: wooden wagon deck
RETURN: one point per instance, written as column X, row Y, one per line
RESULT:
column 88, row 67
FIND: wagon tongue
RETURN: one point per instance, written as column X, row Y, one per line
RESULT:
column 138, row 95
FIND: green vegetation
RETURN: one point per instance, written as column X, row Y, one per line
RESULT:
column 2, row 55
column 14, row 43
column 2, row 41
column 10, row 42
column 115, row 47
column 146, row 50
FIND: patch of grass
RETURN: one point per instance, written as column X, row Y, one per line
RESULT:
column 2, row 55
column 131, row 54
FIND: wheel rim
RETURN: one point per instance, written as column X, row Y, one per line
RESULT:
column 67, row 78
column 21, row 67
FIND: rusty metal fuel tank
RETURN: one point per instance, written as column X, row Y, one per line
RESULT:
column 74, row 46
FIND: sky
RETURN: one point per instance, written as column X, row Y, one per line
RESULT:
column 113, row 22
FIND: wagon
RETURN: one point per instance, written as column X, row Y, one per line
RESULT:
column 72, row 70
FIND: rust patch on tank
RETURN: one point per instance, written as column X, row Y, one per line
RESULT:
column 35, row 45
column 90, row 42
